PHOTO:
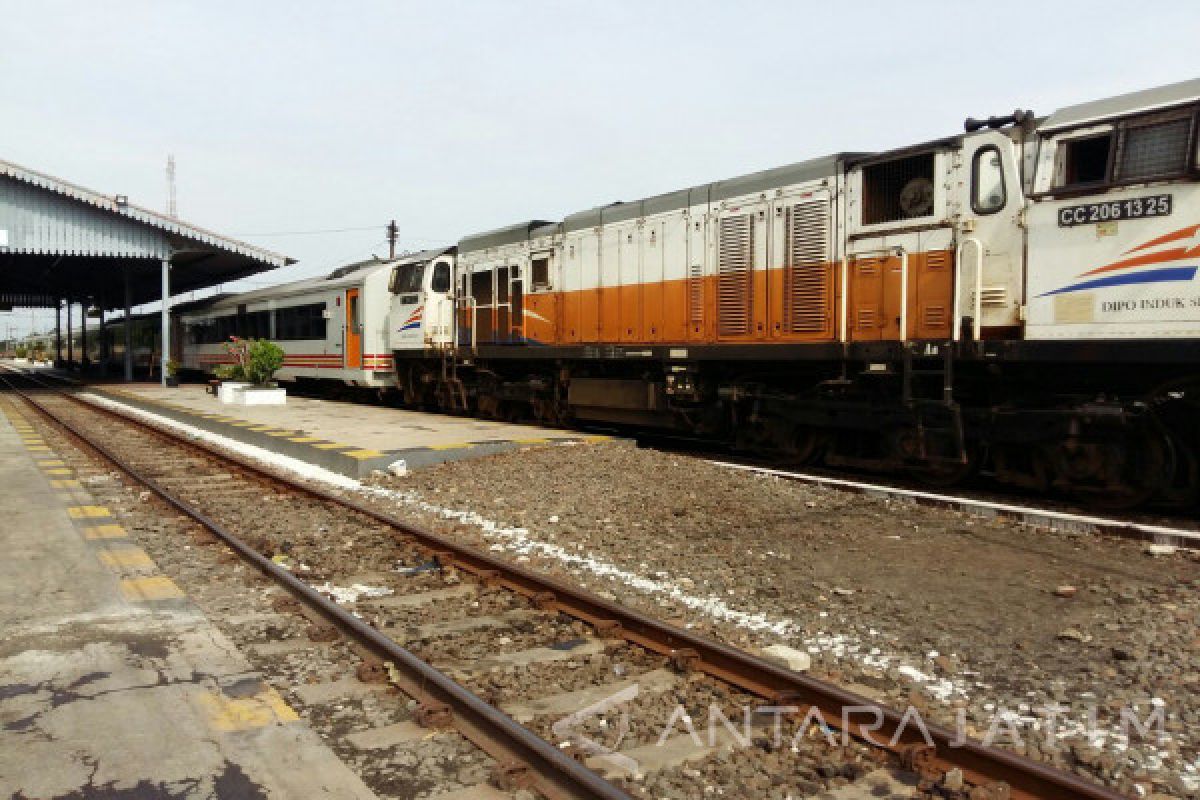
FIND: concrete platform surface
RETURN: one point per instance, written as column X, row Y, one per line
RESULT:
column 345, row 437
column 112, row 684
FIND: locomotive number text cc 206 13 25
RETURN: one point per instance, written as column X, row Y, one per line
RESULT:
column 1158, row 205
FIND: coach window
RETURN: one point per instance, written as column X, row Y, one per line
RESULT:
column 987, row 181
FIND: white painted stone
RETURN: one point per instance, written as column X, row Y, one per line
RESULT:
column 227, row 391
column 790, row 657
column 1160, row 549
column 251, row 396
column 399, row 467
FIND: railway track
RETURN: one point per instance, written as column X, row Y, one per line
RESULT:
column 479, row 643
column 979, row 504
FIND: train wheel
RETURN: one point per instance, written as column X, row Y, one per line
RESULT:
column 1176, row 409
column 806, row 445
column 1143, row 462
column 947, row 473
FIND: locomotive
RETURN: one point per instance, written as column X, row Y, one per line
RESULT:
column 1018, row 299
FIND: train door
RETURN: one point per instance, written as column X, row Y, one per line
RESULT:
column 989, row 264
column 354, row 329
column 517, row 300
column 503, row 318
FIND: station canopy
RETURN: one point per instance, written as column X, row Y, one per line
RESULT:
column 62, row 241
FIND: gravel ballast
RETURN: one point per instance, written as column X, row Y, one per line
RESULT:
column 980, row 624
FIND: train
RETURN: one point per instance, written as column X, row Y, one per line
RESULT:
column 1017, row 299
column 101, row 349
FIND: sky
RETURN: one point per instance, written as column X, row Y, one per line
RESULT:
column 304, row 127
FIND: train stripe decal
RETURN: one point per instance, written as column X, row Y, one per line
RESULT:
column 414, row 319
column 1167, row 274
column 1160, row 275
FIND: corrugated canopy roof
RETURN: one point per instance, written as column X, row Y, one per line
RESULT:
column 59, row 239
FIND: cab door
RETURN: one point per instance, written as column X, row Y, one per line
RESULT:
column 354, row 330
column 990, row 243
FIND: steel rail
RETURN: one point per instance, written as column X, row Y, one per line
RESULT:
column 1030, row 515
column 937, row 752
column 550, row 770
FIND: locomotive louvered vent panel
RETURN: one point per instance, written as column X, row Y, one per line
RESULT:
column 807, row 293
column 937, row 259
column 994, row 296
column 695, row 298
column 935, row 316
column 735, row 261
column 865, row 319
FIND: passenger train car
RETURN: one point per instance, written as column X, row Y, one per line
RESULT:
column 1019, row 298
column 331, row 328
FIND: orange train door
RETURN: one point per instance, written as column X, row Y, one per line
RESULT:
column 354, row 330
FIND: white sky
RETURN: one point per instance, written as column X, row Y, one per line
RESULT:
column 456, row 117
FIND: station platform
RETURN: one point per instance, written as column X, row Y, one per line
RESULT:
column 345, row 437
column 112, row 684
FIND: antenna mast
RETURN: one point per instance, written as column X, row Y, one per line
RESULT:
column 393, row 232
column 172, row 211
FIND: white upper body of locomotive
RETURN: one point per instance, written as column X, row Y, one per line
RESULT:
column 1114, row 219
column 422, row 310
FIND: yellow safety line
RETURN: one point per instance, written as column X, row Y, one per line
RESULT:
column 108, row 531
column 155, row 587
column 88, row 512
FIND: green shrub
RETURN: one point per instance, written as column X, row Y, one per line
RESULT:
column 254, row 360
column 22, row 351
column 230, row 372
column 263, row 359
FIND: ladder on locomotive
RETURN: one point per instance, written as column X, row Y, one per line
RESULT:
column 928, row 391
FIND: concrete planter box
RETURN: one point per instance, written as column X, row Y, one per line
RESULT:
column 228, row 391
column 251, row 396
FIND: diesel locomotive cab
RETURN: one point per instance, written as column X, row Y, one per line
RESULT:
column 422, row 302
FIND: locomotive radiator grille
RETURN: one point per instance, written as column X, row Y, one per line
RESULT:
column 806, row 296
column 735, row 264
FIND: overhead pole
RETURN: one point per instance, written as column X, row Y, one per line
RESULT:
column 393, row 233
column 70, row 338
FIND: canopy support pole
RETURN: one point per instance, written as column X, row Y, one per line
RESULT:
column 128, row 327
column 57, row 332
column 83, row 351
column 165, row 350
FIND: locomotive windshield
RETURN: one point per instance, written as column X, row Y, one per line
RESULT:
column 407, row 277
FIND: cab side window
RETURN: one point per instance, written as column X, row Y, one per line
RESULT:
column 441, row 277
column 540, row 269
column 1153, row 147
column 988, row 194
column 1085, row 162
column 1143, row 148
